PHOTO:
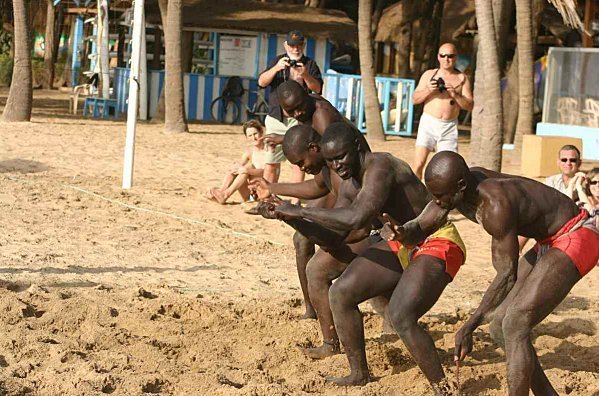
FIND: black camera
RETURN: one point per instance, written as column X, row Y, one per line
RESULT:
column 441, row 85
column 292, row 63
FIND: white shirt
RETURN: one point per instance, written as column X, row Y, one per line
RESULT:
column 557, row 182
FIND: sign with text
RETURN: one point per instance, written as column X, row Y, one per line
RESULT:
column 237, row 56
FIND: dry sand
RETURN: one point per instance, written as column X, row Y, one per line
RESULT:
column 159, row 291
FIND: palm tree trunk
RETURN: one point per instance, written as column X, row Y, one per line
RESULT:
column 49, row 47
column 525, row 69
column 479, row 104
column 374, row 125
column 20, row 96
column 492, row 136
column 174, row 95
column 158, row 117
column 510, row 101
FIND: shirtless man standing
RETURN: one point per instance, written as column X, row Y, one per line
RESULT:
column 374, row 183
column 522, row 294
column 316, row 112
column 444, row 92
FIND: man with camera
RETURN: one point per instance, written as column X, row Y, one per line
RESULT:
column 444, row 91
column 292, row 65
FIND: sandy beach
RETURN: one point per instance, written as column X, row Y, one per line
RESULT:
column 157, row 290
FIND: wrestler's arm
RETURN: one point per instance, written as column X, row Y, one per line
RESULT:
column 369, row 202
column 418, row 229
column 309, row 189
column 334, row 242
column 498, row 220
column 317, row 234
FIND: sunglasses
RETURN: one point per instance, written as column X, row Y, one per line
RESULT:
column 593, row 182
column 570, row 160
column 450, row 56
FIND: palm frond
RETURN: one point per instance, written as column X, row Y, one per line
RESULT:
column 568, row 9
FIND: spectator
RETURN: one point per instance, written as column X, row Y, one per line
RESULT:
column 294, row 65
column 587, row 188
column 250, row 165
column 569, row 162
column 444, row 91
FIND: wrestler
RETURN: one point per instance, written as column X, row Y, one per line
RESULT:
column 318, row 113
column 522, row 295
column 383, row 184
column 301, row 146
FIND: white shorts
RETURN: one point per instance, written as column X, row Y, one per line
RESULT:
column 276, row 156
column 433, row 132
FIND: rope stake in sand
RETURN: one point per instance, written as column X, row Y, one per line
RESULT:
column 457, row 376
column 174, row 216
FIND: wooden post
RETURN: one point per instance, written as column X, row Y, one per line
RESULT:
column 589, row 12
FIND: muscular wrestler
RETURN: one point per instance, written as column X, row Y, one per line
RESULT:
column 301, row 146
column 384, row 184
column 318, row 113
column 507, row 206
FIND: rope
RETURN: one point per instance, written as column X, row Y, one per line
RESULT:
column 174, row 216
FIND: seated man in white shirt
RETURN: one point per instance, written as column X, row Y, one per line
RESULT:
column 569, row 162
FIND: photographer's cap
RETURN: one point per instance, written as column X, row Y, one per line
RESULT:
column 295, row 37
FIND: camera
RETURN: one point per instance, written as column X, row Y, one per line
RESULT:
column 292, row 63
column 441, row 85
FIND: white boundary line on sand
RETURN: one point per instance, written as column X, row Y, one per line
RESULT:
column 175, row 216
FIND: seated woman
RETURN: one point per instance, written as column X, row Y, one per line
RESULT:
column 250, row 165
column 587, row 188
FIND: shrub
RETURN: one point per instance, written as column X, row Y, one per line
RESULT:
column 6, row 63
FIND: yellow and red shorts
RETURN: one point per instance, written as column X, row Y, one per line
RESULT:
column 445, row 244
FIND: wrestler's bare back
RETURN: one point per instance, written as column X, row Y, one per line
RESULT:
column 539, row 211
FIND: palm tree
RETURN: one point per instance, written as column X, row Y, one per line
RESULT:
column 160, row 108
column 175, row 100
column 49, row 47
column 491, row 128
column 374, row 125
column 20, row 96
column 524, row 33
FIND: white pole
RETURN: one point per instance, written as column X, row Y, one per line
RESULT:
column 102, row 39
column 138, row 10
column 143, row 74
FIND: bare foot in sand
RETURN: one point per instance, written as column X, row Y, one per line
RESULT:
column 218, row 195
column 321, row 352
column 309, row 314
column 209, row 195
column 357, row 379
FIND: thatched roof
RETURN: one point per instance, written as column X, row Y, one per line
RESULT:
column 455, row 16
column 249, row 15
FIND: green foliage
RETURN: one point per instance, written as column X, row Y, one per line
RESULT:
column 37, row 66
column 5, row 42
column 6, row 63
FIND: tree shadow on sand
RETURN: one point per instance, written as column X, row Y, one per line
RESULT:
column 572, row 302
column 476, row 386
column 571, row 357
column 22, row 166
column 565, row 328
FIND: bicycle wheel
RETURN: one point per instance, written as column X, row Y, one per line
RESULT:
column 224, row 109
column 261, row 112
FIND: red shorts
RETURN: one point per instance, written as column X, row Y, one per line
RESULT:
column 581, row 245
column 443, row 249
